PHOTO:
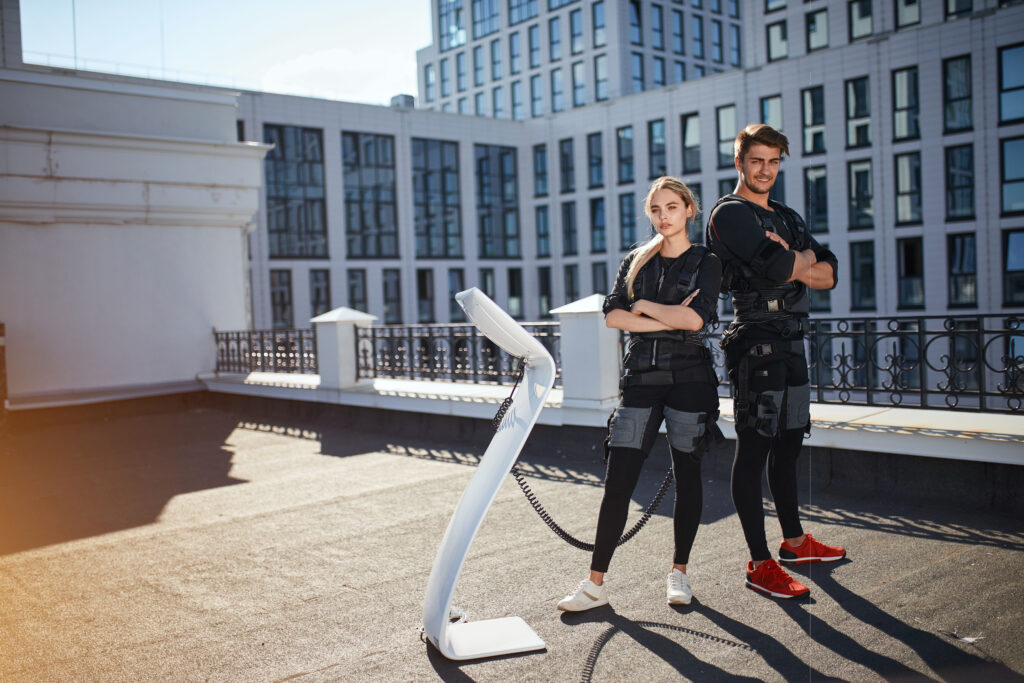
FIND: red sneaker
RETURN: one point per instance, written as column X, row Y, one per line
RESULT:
column 771, row 579
column 810, row 550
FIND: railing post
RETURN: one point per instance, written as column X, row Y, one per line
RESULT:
column 336, row 346
column 590, row 355
column 3, row 373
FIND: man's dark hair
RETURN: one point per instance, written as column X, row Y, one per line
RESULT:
column 760, row 134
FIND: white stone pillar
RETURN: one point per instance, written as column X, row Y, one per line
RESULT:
column 590, row 355
column 336, row 346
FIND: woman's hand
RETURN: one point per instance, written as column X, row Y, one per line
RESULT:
column 638, row 306
column 775, row 237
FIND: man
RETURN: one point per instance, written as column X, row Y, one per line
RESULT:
column 769, row 260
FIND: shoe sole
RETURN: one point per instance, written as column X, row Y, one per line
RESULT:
column 596, row 603
column 764, row 591
column 806, row 560
column 679, row 601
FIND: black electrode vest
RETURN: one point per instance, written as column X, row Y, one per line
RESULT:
column 755, row 298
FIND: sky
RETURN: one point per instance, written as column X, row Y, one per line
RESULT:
column 353, row 50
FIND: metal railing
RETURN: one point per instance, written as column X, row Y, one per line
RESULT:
column 456, row 353
column 291, row 351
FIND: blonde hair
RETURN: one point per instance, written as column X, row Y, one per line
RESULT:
column 645, row 252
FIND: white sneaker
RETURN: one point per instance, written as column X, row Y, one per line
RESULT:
column 679, row 591
column 586, row 596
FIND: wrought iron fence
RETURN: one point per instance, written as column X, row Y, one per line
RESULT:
column 458, row 353
column 291, row 351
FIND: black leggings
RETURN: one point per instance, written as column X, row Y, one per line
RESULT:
column 624, row 465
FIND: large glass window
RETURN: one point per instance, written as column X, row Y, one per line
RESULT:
column 816, row 199
column 814, row 119
column 515, row 293
column 392, row 283
column 778, row 45
column 657, row 72
column 624, row 149
column 451, row 24
column 862, row 274
column 958, row 8
column 543, row 221
column 908, row 13
column 717, row 54
column 572, row 282
column 956, row 94
column 281, row 309
column 496, row 59
column 557, row 91
column 960, row 182
column 460, row 71
column 599, row 277
column 778, row 191
column 817, row 30
column 627, row 221
column 515, row 53
column 579, row 85
column 859, row 16
column 540, row 170
column 478, row 65
column 357, row 290
column 595, row 160
column 858, row 113
column 296, row 215
column 488, row 283
column 697, row 30
column 536, row 96
column 479, row 106
column 486, row 18
column 566, row 166
column 773, row 5
column 371, row 226
column 1013, row 268
column 598, row 240
column 726, row 120
column 906, row 109
column 497, row 201
column 437, row 205
column 521, row 10
column 734, row 44
column 637, row 71
column 576, row 31
column 601, row 77
column 861, row 202
column 636, row 36
column 678, row 40
column 319, row 290
column 911, row 272
column 771, row 111
column 600, row 36
column 963, row 269
column 1012, row 176
column 424, row 295
column 908, row 188
column 657, row 27
column 1011, row 83
column 544, row 291
column 518, row 110
column 656, row 148
column 456, row 284
column 533, row 37
column 498, row 103
column 555, row 38
column 569, row 246
column 446, row 78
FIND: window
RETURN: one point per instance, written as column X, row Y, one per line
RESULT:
column 368, row 165
column 392, row 279
column 557, row 97
column 734, row 44
column 437, row 205
column 911, row 273
column 859, row 19
column 296, row 214
column 555, row 39
column 515, row 54
column 778, row 47
column 656, row 148
column 478, row 104
column 281, row 308
column 595, row 160
column 568, row 228
column 544, row 291
column 858, row 113
column 572, row 282
column 624, row 148
column 478, row 65
column 487, row 285
column 456, row 284
column 678, row 72
column 446, row 78
column 497, row 201
column 778, row 191
column 690, row 124
column 814, row 119
column 451, row 24
column 576, row 31
column 1011, row 83
column 816, row 199
column 726, row 118
column 598, row 242
column 536, row 96
column 694, row 228
column 960, row 182
column 567, row 165
column 1013, row 268
column 698, row 36
column 905, row 105
column 771, row 111
column 698, row 71
column 600, row 36
column 1011, row 165
column 319, row 291
column 678, row 41
column 496, row 59
column 657, row 28
column 817, row 30
column 716, row 41
column 424, row 295
column 518, row 112
column 601, row 77
column 862, row 272
column 957, row 8
column 486, row 19
column 658, row 75
column 497, row 103
column 579, row 85
column 772, row 5
column 908, row 188
column 908, row 13
column 862, row 212
column 726, row 186
column 635, row 30
column 555, row 4
column 963, row 270
column 637, row 62
column 543, row 231
column 460, row 71
column 515, row 293
column 540, row 170
column 463, row 105
column 627, row 221
column 599, row 277
column 956, row 94
column 533, row 37
column 357, row 289
column 521, row 10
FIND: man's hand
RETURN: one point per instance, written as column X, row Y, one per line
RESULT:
column 690, row 298
column 775, row 237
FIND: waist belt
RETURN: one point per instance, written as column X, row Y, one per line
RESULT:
column 696, row 373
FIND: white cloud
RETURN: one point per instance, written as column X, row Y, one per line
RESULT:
column 368, row 76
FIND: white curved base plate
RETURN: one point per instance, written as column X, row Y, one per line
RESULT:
column 491, row 638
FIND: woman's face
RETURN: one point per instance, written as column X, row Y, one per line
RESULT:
column 669, row 213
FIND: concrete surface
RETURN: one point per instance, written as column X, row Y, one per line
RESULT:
column 206, row 544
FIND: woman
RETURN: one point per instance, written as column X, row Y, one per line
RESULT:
column 665, row 293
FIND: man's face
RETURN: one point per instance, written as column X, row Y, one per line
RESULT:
column 759, row 168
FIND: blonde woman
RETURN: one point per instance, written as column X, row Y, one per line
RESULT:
column 665, row 293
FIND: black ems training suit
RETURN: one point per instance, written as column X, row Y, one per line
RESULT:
column 764, row 353
column 668, row 376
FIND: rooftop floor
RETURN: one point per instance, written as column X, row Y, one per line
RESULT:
column 202, row 543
